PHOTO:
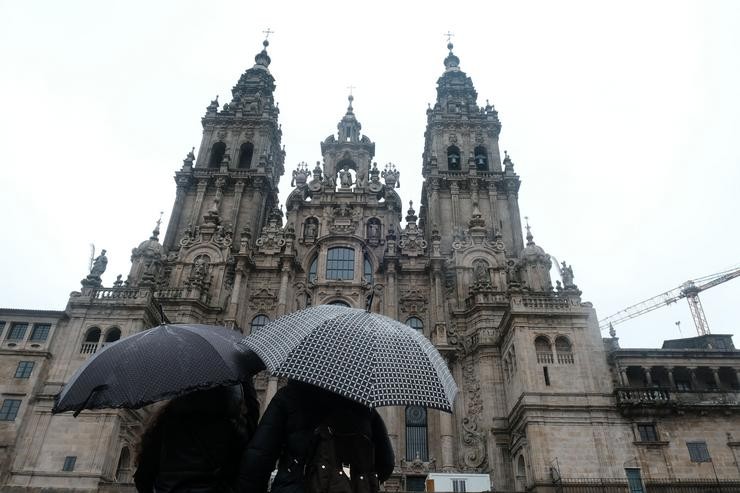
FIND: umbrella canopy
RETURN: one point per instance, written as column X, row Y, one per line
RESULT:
column 157, row 364
column 364, row 356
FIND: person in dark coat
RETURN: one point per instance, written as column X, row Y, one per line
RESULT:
column 286, row 430
column 195, row 443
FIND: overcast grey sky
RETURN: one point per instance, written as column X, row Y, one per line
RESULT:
column 622, row 119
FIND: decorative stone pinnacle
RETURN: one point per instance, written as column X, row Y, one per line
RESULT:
column 155, row 233
column 612, row 332
column 530, row 238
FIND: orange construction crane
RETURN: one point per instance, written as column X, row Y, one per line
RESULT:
column 689, row 290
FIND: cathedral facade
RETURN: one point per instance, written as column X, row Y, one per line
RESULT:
column 545, row 402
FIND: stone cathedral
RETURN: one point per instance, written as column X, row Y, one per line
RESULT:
column 545, row 402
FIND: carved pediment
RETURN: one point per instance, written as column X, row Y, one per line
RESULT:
column 263, row 300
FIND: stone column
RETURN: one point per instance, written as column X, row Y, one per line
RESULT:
column 692, row 377
column 455, row 193
column 448, row 441
column 233, row 308
column 238, row 191
column 283, row 294
column 648, row 376
column 671, row 380
column 715, row 374
column 515, row 218
column 195, row 215
column 737, row 373
column 169, row 237
column 623, row 377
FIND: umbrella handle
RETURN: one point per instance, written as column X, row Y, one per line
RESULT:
column 92, row 392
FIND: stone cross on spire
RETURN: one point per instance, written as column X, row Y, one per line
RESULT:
column 267, row 32
column 449, row 35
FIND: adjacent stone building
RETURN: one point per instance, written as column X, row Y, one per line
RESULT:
column 546, row 403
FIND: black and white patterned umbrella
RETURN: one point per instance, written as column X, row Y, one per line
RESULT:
column 364, row 356
column 156, row 364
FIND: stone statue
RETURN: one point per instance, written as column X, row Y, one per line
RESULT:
column 567, row 272
column 373, row 230
column 99, row 265
column 310, row 231
column 345, row 178
column 481, row 274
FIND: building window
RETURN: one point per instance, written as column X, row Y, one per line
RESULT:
column 481, row 158
column 647, row 432
column 634, row 480
column 564, row 350
column 340, row 263
column 17, row 331
column 113, row 335
column 9, row 409
column 123, row 471
column 453, row 158
column 90, row 344
column 458, row 486
column 312, row 269
column 415, row 323
column 2, row 326
column 245, row 155
column 24, row 369
column 340, row 303
column 367, row 270
column 69, row 463
column 416, row 483
column 416, row 433
column 258, row 322
column 546, row 374
column 698, row 452
column 543, row 348
column 217, row 154
column 40, row 332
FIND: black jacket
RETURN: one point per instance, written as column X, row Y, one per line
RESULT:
column 196, row 444
column 286, row 430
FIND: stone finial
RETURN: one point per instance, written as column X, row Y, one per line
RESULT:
column 530, row 238
column 612, row 332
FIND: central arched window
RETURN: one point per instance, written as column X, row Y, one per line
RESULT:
column 367, row 270
column 245, row 155
column 258, row 322
column 217, row 154
column 453, row 158
column 415, row 323
column 416, row 433
column 339, row 303
column 312, row 269
column 340, row 263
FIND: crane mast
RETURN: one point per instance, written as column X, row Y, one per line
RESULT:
column 689, row 290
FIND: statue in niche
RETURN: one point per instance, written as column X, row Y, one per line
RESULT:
column 345, row 178
column 373, row 230
column 481, row 273
column 99, row 265
column 310, row 230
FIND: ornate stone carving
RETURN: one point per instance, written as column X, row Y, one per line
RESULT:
column 412, row 241
column 413, row 301
column 263, row 300
column 390, row 174
column 300, row 175
column 272, row 239
column 474, row 440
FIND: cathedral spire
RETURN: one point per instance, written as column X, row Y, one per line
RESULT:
column 349, row 128
column 452, row 63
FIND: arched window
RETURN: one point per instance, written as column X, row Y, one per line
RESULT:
column 113, row 335
column 544, row 349
column 92, row 338
column 340, row 263
column 245, row 155
column 258, row 322
column 367, row 270
column 415, row 323
column 312, row 269
column 564, row 349
column 217, row 154
column 481, row 158
column 416, row 434
column 123, row 471
column 340, row 303
column 453, row 158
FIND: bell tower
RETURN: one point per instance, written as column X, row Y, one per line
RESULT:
column 462, row 166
